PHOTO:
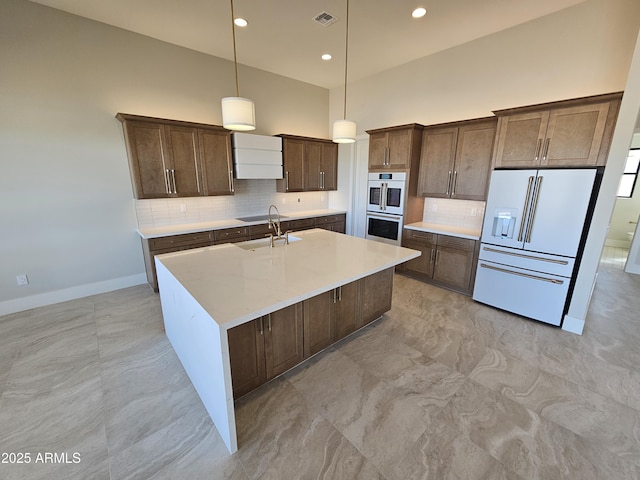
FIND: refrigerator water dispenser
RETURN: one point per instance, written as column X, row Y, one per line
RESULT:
column 504, row 224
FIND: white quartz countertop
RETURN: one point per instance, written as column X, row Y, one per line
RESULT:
column 178, row 229
column 453, row 230
column 235, row 285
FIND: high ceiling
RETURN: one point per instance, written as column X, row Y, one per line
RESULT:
column 283, row 38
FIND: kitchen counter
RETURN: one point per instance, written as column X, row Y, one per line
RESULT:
column 453, row 230
column 206, row 291
column 178, row 229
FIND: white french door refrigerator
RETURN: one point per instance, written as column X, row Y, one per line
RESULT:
column 532, row 237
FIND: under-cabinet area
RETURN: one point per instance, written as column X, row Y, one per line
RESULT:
column 272, row 344
column 447, row 261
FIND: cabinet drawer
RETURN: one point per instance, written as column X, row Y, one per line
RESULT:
column 302, row 224
column 179, row 240
column 329, row 219
column 456, row 242
column 231, row 234
column 418, row 235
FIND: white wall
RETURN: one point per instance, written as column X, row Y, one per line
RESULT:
column 66, row 205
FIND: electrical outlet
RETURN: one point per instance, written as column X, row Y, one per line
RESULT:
column 22, row 279
column 434, row 207
column 474, row 212
column 298, row 200
column 284, row 201
column 183, row 208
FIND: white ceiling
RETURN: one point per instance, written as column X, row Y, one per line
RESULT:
column 282, row 37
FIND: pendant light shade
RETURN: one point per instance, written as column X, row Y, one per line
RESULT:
column 238, row 114
column 344, row 131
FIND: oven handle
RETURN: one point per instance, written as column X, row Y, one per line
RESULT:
column 383, row 195
column 527, row 275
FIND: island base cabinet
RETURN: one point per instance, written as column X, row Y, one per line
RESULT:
column 246, row 353
column 376, row 295
column 270, row 345
column 283, row 348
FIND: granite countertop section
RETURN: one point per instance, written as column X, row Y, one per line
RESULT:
column 235, row 285
column 453, row 230
column 178, row 229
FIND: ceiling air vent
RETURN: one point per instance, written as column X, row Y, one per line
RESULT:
column 325, row 19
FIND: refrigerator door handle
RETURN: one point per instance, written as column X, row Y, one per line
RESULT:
column 534, row 204
column 525, row 208
column 520, row 274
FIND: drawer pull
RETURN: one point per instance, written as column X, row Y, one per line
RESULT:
column 530, row 257
column 526, row 275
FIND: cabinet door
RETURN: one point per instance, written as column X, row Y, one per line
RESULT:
column 453, row 266
column 574, row 135
column 400, row 144
column 347, row 311
column 292, row 157
column 148, row 163
column 376, row 295
column 473, row 161
column 329, row 166
column 378, row 151
column 436, row 162
column 422, row 265
column 185, row 176
column 319, row 327
column 312, row 166
column 520, row 139
column 246, row 355
column 215, row 154
column 283, row 340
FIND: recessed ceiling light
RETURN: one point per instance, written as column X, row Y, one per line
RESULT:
column 240, row 22
column 326, row 56
column 419, row 12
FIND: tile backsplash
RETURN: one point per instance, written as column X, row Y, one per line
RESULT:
column 252, row 197
column 461, row 213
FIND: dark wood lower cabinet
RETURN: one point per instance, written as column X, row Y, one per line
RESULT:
column 268, row 346
column 283, row 340
column 246, row 353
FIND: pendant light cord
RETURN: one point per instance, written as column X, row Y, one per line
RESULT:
column 235, row 56
column 346, row 56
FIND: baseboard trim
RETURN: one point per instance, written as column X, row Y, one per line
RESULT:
column 573, row 325
column 49, row 298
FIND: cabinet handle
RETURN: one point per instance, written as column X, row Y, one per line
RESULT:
column 322, row 180
column 340, row 293
column 385, row 161
column 335, row 298
column 173, row 175
column 453, row 184
column 546, row 150
column 269, row 317
column 231, row 181
column 286, row 180
column 448, row 184
column 261, row 326
column 537, row 154
column 166, row 181
column 433, row 254
column 437, row 252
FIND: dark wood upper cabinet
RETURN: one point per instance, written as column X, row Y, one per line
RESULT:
column 169, row 158
column 309, row 164
column 570, row 133
column 455, row 160
column 394, row 148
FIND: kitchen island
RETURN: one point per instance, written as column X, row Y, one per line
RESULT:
column 207, row 292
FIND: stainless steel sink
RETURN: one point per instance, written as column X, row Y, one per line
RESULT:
column 257, row 218
column 265, row 242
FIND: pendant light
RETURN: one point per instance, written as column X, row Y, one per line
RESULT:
column 238, row 113
column 344, row 131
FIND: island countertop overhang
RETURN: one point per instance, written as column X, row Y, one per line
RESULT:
column 235, row 285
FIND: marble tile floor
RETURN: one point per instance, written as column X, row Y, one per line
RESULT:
column 439, row 388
